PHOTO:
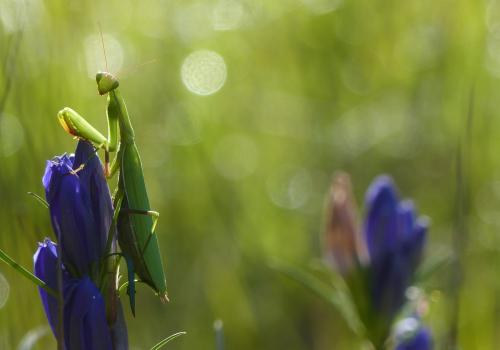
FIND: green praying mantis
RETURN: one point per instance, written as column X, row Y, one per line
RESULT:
column 134, row 219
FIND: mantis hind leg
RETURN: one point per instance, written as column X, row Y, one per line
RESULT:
column 131, row 283
column 155, row 216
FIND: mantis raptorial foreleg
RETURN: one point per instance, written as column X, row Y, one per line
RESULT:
column 76, row 125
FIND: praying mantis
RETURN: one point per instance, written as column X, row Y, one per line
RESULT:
column 134, row 219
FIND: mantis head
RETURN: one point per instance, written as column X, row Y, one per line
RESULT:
column 106, row 82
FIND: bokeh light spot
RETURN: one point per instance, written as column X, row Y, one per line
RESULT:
column 32, row 337
column 414, row 293
column 17, row 15
column 11, row 135
column 227, row 15
column 290, row 187
column 193, row 21
column 94, row 54
column 385, row 118
column 204, row 72
column 321, row 7
column 235, row 157
column 405, row 329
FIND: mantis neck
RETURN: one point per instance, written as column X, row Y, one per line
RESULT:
column 126, row 131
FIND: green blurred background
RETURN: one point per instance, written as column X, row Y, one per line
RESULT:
column 247, row 110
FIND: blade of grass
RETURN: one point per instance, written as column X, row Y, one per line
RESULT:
column 219, row 335
column 40, row 199
column 26, row 273
column 460, row 235
column 167, row 340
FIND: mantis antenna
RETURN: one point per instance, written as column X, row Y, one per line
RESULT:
column 131, row 69
column 103, row 47
column 127, row 70
column 106, row 153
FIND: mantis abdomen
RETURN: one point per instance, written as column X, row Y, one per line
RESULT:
column 135, row 229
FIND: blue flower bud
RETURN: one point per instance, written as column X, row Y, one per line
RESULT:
column 45, row 261
column 84, row 317
column 345, row 248
column 411, row 335
column 80, row 207
column 395, row 239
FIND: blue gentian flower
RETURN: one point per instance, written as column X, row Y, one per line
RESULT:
column 411, row 335
column 395, row 239
column 80, row 208
column 81, row 214
column 84, row 318
column 379, row 259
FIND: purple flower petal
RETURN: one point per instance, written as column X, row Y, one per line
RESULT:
column 45, row 261
column 85, row 322
column 92, row 178
column 422, row 340
column 381, row 224
column 395, row 240
column 85, row 325
column 413, row 245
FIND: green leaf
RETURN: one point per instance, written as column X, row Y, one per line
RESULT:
column 433, row 263
column 336, row 295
